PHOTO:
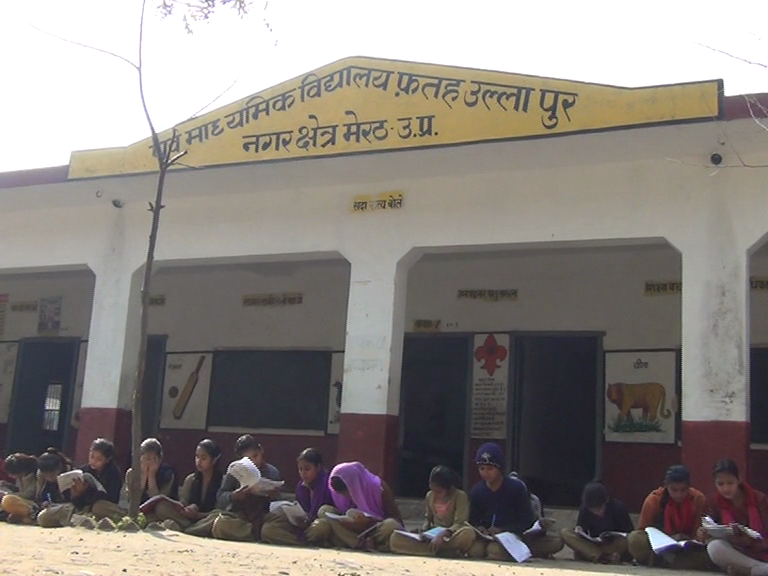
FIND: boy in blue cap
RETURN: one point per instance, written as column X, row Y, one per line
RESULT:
column 502, row 504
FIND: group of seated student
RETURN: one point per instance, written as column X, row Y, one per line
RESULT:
column 676, row 509
column 350, row 507
column 35, row 496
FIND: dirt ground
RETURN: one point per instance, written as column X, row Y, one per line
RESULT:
column 28, row 550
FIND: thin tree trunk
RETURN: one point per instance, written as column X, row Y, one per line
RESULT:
column 137, row 419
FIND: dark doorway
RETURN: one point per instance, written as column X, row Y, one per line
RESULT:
column 41, row 402
column 555, row 407
column 154, row 376
column 433, row 408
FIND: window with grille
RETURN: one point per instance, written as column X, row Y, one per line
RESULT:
column 52, row 412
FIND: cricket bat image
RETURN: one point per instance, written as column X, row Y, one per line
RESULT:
column 189, row 388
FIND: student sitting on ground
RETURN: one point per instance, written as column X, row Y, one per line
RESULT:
column 599, row 513
column 23, row 469
column 447, row 509
column 46, row 492
column 676, row 509
column 101, row 465
column 86, row 496
column 157, row 477
column 242, row 512
column 198, row 492
column 368, row 504
column 737, row 502
column 499, row 503
column 312, row 493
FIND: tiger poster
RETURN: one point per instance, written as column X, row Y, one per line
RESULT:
column 640, row 396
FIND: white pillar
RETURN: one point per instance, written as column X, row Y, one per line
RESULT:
column 715, row 323
column 113, row 339
column 373, row 355
column 715, row 338
column 373, row 350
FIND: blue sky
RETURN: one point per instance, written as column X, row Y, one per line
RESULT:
column 58, row 97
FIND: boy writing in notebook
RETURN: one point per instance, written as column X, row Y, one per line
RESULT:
column 501, row 504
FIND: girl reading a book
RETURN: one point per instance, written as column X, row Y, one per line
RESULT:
column 600, row 518
column 157, row 477
column 22, row 468
column 368, row 505
column 46, row 492
column 312, row 493
column 85, row 495
column 242, row 511
column 101, row 465
column 198, row 491
column 735, row 502
column 446, row 520
column 676, row 509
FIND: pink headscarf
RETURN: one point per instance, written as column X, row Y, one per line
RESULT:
column 363, row 488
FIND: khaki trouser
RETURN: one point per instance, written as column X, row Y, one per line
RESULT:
column 59, row 515
column 230, row 526
column 17, row 506
column 278, row 530
column 592, row 551
column 540, row 545
column 342, row 537
column 686, row 559
column 167, row 511
column 459, row 544
column 220, row 525
column 726, row 556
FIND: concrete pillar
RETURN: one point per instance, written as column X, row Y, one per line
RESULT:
column 715, row 348
column 373, row 360
column 113, row 351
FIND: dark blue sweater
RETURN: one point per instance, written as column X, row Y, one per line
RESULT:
column 508, row 508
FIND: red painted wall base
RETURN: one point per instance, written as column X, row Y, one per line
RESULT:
column 704, row 443
column 371, row 439
column 111, row 423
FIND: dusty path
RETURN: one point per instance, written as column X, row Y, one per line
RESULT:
column 30, row 550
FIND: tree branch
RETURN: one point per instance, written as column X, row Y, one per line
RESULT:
column 176, row 158
column 724, row 53
column 757, row 120
column 95, row 48
column 211, row 103
column 155, row 137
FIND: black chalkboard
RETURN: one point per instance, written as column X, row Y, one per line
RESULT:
column 758, row 394
column 283, row 389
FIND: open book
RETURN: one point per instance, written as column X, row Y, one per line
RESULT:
column 661, row 543
column 67, row 479
column 511, row 543
column 351, row 514
column 151, row 503
column 265, row 485
column 602, row 538
column 426, row 536
column 293, row 512
column 540, row 526
column 719, row 531
column 245, row 472
column 249, row 476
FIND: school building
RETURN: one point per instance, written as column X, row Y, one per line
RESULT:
column 395, row 262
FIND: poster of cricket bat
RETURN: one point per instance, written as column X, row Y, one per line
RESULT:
column 185, row 391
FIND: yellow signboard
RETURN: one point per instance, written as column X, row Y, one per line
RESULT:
column 367, row 105
column 365, row 203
